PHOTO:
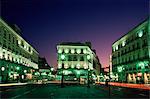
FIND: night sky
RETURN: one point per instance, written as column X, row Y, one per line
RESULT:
column 45, row 23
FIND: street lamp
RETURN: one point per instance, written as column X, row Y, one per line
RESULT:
column 120, row 70
column 142, row 65
column 17, row 68
column 25, row 71
column 52, row 69
column 3, row 68
column 18, row 77
column 88, row 58
column 78, row 75
column 62, row 58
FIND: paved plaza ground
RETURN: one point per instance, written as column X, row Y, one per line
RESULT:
column 54, row 91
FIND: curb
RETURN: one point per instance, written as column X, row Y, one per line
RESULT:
column 12, row 84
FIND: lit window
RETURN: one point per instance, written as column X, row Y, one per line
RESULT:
column 113, row 49
column 60, row 51
column 91, row 68
column 140, row 34
column 78, row 72
column 120, row 68
column 72, row 51
column 31, row 51
column 88, row 57
column 116, row 47
column 72, row 66
column 78, row 66
column 123, row 43
column 19, row 42
column 25, row 46
column 141, row 64
column 66, row 50
column 84, row 51
column 78, row 51
column 66, row 66
column 85, row 66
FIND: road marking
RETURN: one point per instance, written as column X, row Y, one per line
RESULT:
column 23, row 93
column 142, row 95
column 6, row 90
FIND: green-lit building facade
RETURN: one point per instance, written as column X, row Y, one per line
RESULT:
column 76, row 60
column 131, row 55
column 18, row 59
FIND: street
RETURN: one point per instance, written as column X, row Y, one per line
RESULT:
column 54, row 91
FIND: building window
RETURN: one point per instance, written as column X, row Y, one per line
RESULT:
column 82, row 51
column 3, row 55
column 12, row 59
column 8, row 57
column 9, row 37
column 140, row 33
column 5, row 31
column 127, row 49
column 1, row 30
column 123, row 43
column 78, row 51
column 69, row 58
column 144, row 43
column 13, row 40
column 116, row 47
column 72, row 51
column 74, row 58
column 82, row 58
column 66, row 51
column 22, row 44
column 29, row 49
column 113, row 49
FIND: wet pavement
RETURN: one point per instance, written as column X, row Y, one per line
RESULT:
column 54, row 91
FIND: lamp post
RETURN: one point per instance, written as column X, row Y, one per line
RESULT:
column 88, row 58
column 2, row 69
column 62, row 78
column 120, row 70
column 142, row 66
column 109, row 81
column 18, row 71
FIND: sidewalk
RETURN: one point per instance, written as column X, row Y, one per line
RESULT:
column 12, row 84
column 139, row 86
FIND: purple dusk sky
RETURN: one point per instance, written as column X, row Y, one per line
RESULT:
column 45, row 23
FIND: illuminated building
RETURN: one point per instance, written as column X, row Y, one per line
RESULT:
column 18, row 59
column 131, row 55
column 76, row 59
column 45, row 71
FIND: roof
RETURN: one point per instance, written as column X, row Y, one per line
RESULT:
column 17, row 31
column 131, row 30
column 76, row 44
